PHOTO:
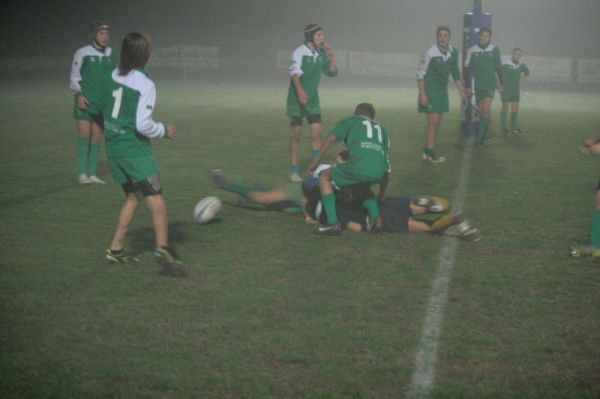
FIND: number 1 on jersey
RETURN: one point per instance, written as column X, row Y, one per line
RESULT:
column 369, row 126
column 118, row 95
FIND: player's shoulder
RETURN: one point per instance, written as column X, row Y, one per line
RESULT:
column 85, row 50
column 301, row 50
column 136, row 79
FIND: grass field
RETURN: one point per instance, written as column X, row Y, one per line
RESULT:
column 270, row 310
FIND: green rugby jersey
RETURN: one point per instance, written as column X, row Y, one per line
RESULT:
column 367, row 141
column 512, row 73
column 437, row 65
column 308, row 63
column 484, row 62
column 89, row 68
column 126, row 103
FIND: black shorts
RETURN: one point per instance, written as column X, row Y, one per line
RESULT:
column 311, row 119
column 395, row 212
column 149, row 186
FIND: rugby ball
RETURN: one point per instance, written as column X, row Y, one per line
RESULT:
column 206, row 209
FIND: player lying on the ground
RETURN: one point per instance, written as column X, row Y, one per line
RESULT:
column 591, row 146
column 397, row 213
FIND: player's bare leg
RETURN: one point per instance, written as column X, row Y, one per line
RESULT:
column 433, row 125
column 294, row 144
column 315, row 131
column 158, row 209
column 128, row 210
column 95, row 137
column 484, row 121
column 503, row 125
column 514, row 107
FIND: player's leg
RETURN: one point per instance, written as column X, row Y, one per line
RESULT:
column 484, row 120
column 328, row 200
column 296, row 130
column 505, row 105
column 95, row 137
column 513, row 117
column 433, row 125
column 315, row 131
column 116, row 253
column 126, row 215
column 152, row 191
column 84, row 129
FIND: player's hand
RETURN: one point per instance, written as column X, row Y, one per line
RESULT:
column 171, row 132
column 500, row 89
column 313, row 165
column 82, row 102
column 423, row 100
column 302, row 97
column 328, row 49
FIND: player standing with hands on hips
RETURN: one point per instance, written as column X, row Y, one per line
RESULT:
column 126, row 101
column 439, row 61
column 309, row 60
column 90, row 65
column 485, row 61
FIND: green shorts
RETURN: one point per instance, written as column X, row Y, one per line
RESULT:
column 484, row 93
column 132, row 169
column 510, row 95
column 298, row 110
column 438, row 101
column 81, row 114
column 350, row 173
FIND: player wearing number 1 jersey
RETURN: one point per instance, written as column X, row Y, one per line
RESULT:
column 368, row 146
column 126, row 100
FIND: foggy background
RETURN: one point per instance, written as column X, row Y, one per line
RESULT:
column 248, row 32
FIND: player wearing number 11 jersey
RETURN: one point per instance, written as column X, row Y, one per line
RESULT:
column 368, row 146
column 126, row 100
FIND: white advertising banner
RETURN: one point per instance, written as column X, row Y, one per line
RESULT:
column 185, row 56
column 402, row 65
column 548, row 69
column 588, row 70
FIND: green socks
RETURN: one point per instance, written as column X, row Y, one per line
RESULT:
column 237, row 189
column 83, row 144
column 329, row 205
column 429, row 152
column 483, row 127
column 503, row 120
column 93, row 158
column 294, row 168
column 595, row 242
column 371, row 206
column 513, row 120
column 314, row 154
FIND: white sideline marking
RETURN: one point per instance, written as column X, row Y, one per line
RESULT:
column 423, row 376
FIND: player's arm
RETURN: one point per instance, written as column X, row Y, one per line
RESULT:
column 145, row 125
column 295, row 71
column 421, row 72
column 525, row 73
column 454, row 70
column 75, row 79
column 330, row 69
column 324, row 147
column 499, row 71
